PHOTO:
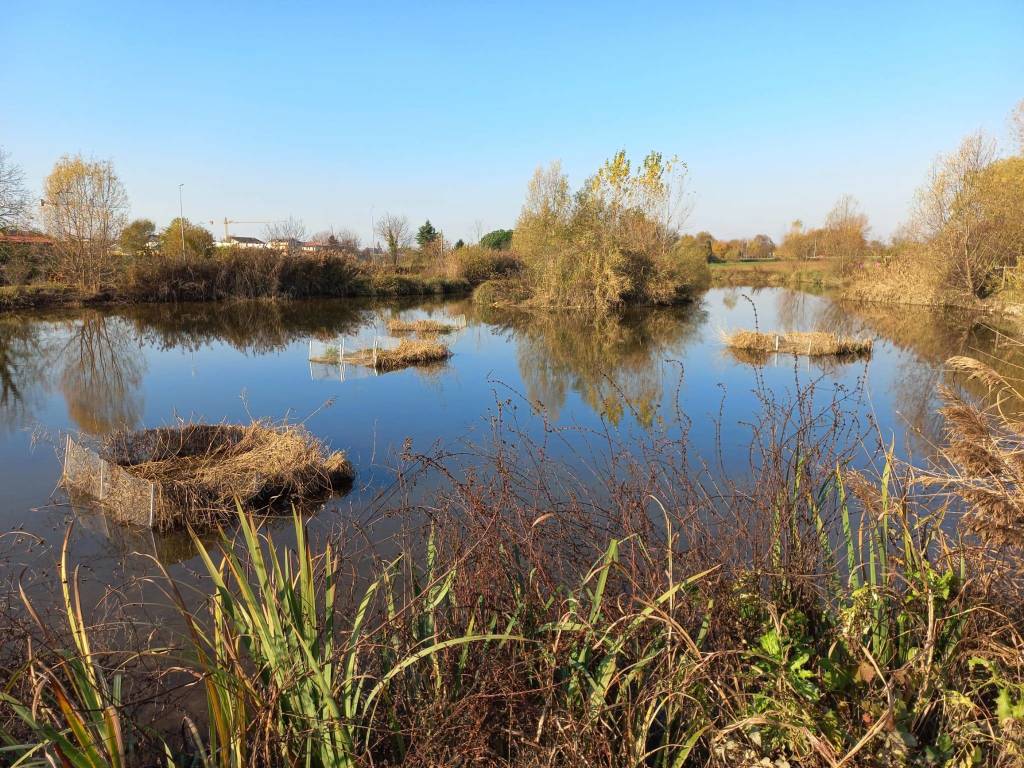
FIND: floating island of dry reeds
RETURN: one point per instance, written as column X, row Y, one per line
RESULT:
column 409, row 352
column 810, row 343
column 199, row 474
column 431, row 327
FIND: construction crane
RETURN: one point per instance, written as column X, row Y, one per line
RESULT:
column 228, row 221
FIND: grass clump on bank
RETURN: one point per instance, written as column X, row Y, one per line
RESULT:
column 771, row 273
column 200, row 473
column 424, row 326
column 810, row 343
column 236, row 274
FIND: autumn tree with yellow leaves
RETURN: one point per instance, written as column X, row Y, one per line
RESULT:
column 611, row 242
column 84, row 209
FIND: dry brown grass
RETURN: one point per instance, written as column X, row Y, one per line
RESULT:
column 985, row 455
column 811, row 343
column 419, row 326
column 410, row 352
column 201, row 471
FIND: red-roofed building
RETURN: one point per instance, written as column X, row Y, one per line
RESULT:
column 25, row 238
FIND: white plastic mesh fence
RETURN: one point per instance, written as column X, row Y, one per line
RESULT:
column 126, row 498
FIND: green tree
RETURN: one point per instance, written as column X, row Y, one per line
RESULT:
column 426, row 235
column 198, row 240
column 460, row 243
column 135, row 237
column 498, row 240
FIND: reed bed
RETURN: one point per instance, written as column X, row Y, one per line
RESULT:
column 423, row 326
column 810, row 343
column 200, row 472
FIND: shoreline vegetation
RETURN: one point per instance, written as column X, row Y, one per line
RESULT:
column 616, row 240
column 805, row 614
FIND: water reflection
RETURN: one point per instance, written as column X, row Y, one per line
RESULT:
column 21, row 366
column 613, row 362
column 100, row 368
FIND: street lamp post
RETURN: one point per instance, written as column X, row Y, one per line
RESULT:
column 181, row 220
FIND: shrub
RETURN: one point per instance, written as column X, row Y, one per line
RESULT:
column 477, row 264
column 500, row 291
column 498, row 240
column 685, row 271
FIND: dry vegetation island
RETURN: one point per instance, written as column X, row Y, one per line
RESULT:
column 810, row 343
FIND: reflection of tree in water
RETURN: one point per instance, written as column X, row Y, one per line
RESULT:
column 793, row 309
column 22, row 370
column 930, row 336
column 100, row 368
column 252, row 327
column 614, row 362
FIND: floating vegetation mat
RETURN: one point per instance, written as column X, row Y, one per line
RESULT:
column 409, row 352
column 195, row 474
column 811, row 343
column 419, row 326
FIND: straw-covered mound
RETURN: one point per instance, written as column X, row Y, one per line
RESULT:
column 397, row 326
column 412, row 352
column 811, row 343
column 200, row 471
column 408, row 353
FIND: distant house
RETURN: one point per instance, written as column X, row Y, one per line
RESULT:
column 240, row 241
column 16, row 237
column 315, row 247
column 288, row 244
column 153, row 243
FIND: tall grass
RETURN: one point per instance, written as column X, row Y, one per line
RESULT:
column 812, row 615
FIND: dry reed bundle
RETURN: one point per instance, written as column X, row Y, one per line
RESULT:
column 397, row 326
column 408, row 353
column 200, row 471
column 985, row 454
column 811, row 343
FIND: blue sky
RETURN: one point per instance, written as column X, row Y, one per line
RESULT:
column 333, row 112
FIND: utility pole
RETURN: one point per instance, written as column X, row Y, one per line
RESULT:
column 181, row 220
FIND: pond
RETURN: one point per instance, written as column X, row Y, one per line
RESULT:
column 90, row 371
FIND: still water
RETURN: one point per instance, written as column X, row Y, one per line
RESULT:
column 91, row 371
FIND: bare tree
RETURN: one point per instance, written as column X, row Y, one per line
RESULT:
column 845, row 236
column 290, row 230
column 344, row 240
column 478, row 229
column 14, row 197
column 1017, row 125
column 396, row 234
column 84, row 210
